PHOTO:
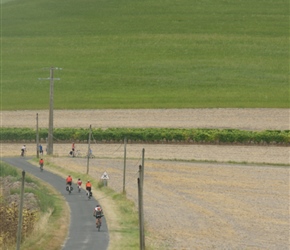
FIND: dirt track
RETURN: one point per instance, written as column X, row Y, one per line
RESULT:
column 192, row 205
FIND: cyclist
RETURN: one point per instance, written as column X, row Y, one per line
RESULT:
column 23, row 150
column 40, row 149
column 68, row 181
column 79, row 183
column 89, row 188
column 73, row 149
column 98, row 213
column 90, row 153
column 41, row 162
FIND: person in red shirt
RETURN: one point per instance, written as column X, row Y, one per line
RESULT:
column 79, row 183
column 73, row 149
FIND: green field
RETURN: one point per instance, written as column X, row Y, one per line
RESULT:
column 145, row 54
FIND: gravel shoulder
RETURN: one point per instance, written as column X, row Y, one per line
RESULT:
column 190, row 205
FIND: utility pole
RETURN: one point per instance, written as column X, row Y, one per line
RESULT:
column 20, row 212
column 140, row 182
column 140, row 208
column 89, row 149
column 139, row 215
column 142, row 172
column 37, row 137
column 50, row 123
column 124, row 172
column 142, row 204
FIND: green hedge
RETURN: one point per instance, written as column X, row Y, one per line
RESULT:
column 152, row 135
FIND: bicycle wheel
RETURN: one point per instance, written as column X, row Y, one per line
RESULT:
column 70, row 189
column 98, row 225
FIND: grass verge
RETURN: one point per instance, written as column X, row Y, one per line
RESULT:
column 51, row 229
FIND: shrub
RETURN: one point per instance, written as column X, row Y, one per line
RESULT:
column 154, row 134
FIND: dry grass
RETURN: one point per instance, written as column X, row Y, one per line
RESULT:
column 50, row 232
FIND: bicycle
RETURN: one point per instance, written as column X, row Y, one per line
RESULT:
column 23, row 151
column 90, row 154
column 41, row 167
column 69, row 188
column 98, row 222
column 89, row 194
column 79, row 188
column 77, row 153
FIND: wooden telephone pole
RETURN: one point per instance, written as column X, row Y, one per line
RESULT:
column 37, row 137
column 19, row 228
column 89, row 149
column 50, row 122
column 124, row 170
column 140, row 182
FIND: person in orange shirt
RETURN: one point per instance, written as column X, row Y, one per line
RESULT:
column 89, row 189
column 69, row 180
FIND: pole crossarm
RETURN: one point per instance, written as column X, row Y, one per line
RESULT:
column 48, row 78
column 51, row 69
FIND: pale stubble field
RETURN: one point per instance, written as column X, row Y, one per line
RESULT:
column 190, row 205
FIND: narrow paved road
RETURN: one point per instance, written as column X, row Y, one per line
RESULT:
column 82, row 233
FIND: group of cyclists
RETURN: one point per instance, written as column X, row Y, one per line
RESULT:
column 98, row 211
column 24, row 150
column 79, row 185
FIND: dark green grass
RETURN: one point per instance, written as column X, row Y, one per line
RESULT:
column 146, row 54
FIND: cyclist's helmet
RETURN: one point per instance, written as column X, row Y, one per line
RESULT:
column 98, row 206
column 88, row 181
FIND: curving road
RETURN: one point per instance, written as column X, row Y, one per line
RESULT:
column 82, row 232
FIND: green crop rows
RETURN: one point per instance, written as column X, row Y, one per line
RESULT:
column 145, row 54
